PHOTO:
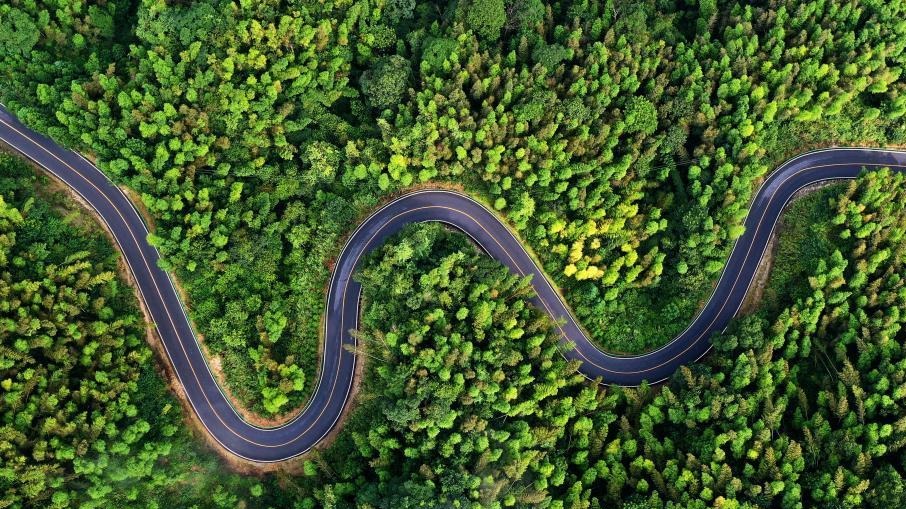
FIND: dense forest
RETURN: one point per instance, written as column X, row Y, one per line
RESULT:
column 622, row 140
column 466, row 401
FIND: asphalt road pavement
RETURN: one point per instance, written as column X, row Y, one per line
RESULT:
column 338, row 364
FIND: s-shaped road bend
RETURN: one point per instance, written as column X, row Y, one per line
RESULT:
column 338, row 364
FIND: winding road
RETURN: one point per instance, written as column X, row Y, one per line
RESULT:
column 337, row 368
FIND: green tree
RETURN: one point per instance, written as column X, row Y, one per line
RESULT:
column 386, row 82
column 485, row 17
